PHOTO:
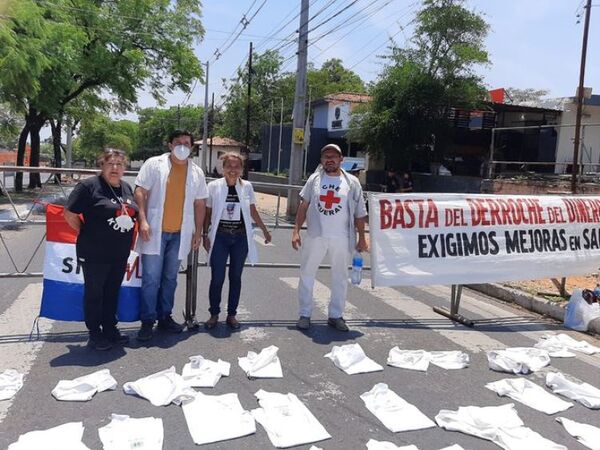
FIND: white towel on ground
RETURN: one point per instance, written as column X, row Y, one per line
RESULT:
column 499, row 424
column 82, row 389
column 214, row 418
column 287, row 421
column 161, row 388
column 11, row 382
column 560, row 346
column 420, row 359
column 587, row 435
column 124, row 433
column 386, row 445
column 584, row 393
column 200, row 372
column 352, row 359
column 63, row 437
column 393, row 411
column 529, row 394
column 265, row 364
column 518, row 360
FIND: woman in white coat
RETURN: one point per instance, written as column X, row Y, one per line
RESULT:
column 231, row 208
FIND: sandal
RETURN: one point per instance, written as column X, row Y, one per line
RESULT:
column 212, row 322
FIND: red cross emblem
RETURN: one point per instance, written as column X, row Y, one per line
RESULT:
column 330, row 199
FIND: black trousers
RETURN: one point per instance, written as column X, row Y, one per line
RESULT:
column 101, row 293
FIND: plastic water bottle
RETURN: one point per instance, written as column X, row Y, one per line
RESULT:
column 357, row 265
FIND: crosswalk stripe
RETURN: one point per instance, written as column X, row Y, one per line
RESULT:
column 467, row 338
column 17, row 321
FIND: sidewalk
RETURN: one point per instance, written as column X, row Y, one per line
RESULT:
column 530, row 302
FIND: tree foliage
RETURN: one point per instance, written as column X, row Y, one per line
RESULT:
column 52, row 52
column 517, row 96
column 422, row 83
column 10, row 125
column 270, row 85
column 99, row 132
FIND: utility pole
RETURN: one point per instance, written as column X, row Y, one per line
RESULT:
column 280, row 133
column 212, row 131
column 205, row 128
column 69, row 146
column 586, row 27
column 247, row 151
column 270, row 134
column 295, row 174
column 179, row 118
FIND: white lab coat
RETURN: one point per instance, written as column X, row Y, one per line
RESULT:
column 153, row 177
column 217, row 192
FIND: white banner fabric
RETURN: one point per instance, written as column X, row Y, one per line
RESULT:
column 421, row 239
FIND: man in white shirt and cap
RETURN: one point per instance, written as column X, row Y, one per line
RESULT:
column 333, row 206
column 170, row 192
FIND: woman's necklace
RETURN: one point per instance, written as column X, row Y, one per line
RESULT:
column 123, row 221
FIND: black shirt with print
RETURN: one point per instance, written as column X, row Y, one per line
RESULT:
column 231, row 226
column 101, row 239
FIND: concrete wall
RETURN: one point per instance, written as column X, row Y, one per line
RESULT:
column 437, row 183
column 535, row 187
column 266, row 178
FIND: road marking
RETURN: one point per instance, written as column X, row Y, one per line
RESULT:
column 489, row 310
column 467, row 338
column 17, row 321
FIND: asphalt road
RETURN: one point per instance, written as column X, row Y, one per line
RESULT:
column 379, row 319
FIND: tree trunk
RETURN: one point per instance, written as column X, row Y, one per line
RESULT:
column 34, row 160
column 21, row 155
column 56, row 126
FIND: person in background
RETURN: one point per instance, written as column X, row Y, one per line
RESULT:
column 407, row 182
column 228, row 234
column 392, row 182
column 103, row 212
column 170, row 192
column 333, row 206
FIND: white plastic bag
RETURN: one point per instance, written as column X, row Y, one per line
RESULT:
column 579, row 313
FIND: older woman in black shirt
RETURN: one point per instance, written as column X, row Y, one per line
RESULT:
column 102, row 209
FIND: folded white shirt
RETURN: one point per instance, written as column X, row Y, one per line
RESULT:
column 200, row 372
column 409, row 359
column 63, row 437
column 11, row 382
column 82, row 389
column 352, row 359
column 529, row 394
column 420, row 359
column 584, row 393
column 287, row 421
column 393, row 411
column 499, row 424
column 386, row 445
column 265, row 364
column 161, row 388
column 124, row 432
column 560, row 346
column 214, row 418
column 518, row 360
column 587, row 435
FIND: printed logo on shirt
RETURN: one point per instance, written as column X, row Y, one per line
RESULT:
column 329, row 201
column 123, row 220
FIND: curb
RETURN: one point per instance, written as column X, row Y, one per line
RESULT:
column 530, row 302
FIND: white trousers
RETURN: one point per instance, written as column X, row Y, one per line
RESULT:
column 313, row 252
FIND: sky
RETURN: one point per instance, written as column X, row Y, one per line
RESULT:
column 531, row 43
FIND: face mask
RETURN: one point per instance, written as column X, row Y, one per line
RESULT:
column 181, row 152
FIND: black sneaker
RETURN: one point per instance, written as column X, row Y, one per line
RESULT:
column 168, row 324
column 115, row 336
column 97, row 341
column 145, row 333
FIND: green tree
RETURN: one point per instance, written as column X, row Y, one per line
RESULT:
column 53, row 52
column 99, row 132
column 10, row 124
column 155, row 124
column 413, row 97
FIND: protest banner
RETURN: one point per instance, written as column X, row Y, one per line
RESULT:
column 421, row 239
column 62, row 297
